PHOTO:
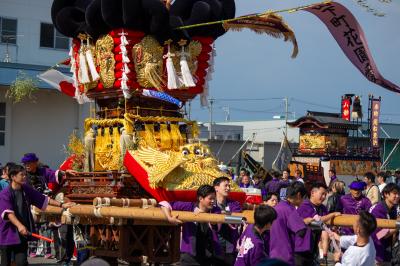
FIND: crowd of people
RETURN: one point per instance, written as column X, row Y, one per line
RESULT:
column 289, row 226
column 24, row 186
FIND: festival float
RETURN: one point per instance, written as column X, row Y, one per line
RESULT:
column 136, row 70
column 137, row 63
column 336, row 141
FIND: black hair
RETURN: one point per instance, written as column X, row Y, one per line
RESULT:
column 370, row 176
column 269, row 196
column 8, row 165
column 205, row 190
column 367, row 223
column 295, row 188
column 390, row 188
column 275, row 174
column 383, row 175
column 287, row 170
column 397, row 172
column 318, row 185
column 15, row 169
column 264, row 215
column 219, row 180
column 333, row 171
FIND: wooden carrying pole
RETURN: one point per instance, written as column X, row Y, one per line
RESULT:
column 124, row 202
column 342, row 220
column 155, row 214
column 151, row 214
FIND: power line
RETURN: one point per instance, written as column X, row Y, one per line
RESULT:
column 246, row 99
column 314, row 104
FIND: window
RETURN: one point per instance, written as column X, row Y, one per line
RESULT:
column 51, row 38
column 2, row 123
column 8, row 30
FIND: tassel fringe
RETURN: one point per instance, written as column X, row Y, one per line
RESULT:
column 185, row 71
column 92, row 67
column 173, row 80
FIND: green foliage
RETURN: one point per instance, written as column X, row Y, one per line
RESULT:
column 22, row 88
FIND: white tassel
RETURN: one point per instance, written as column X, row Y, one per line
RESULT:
column 125, row 59
column 185, row 71
column 126, row 69
column 173, row 80
column 124, row 52
column 124, row 41
column 124, row 86
column 92, row 67
column 71, row 55
column 84, row 75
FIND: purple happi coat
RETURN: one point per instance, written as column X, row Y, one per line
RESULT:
column 229, row 234
column 252, row 249
column 188, row 241
column 46, row 175
column 8, row 232
column 350, row 205
column 273, row 186
column 382, row 245
column 310, row 240
column 283, row 232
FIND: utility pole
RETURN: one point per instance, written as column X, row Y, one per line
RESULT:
column 286, row 114
column 210, row 109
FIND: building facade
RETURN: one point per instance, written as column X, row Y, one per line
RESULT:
column 30, row 44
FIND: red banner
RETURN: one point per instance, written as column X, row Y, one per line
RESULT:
column 349, row 35
column 346, row 109
column 375, row 111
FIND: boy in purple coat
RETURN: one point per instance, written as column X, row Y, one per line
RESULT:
column 199, row 244
column 288, row 224
column 16, row 219
column 353, row 203
column 385, row 209
column 307, row 247
column 252, row 248
column 227, row 234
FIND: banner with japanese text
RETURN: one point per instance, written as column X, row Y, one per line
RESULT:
column 375, row 110
column 346, row 109
column 350, row 37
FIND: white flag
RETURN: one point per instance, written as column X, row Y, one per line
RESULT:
column 284, row 156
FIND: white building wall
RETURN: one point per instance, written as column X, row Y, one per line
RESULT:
column 29, row 15
column 266, row 131
column 42, row 126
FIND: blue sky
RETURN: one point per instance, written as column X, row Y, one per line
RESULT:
column 251, row 66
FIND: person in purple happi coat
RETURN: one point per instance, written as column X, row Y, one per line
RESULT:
column 227, row 234
column 353, row 203
column 199, row 243
column 274, row 185
column 288, row 225
column 307, row 247
column 382, row 237
column 16, row 222
column 39, row 176
column 253, row 244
